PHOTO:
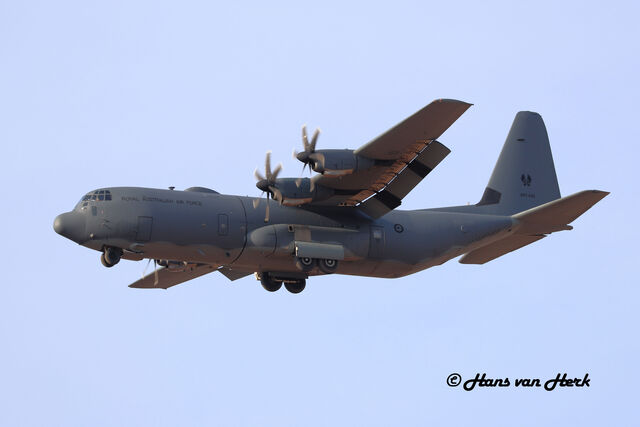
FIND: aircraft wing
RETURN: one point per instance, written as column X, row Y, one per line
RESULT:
column 404, row 155
column 164, row 278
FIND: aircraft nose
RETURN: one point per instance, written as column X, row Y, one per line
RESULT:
column 70, row 225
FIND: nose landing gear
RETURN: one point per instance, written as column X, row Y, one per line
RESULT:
column 110, row 256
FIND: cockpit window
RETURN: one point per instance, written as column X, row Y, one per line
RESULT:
column 98, row 195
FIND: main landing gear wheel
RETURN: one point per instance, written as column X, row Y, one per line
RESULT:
column 328, row 265
column 269, row 284
column 295, row 287
column 305, row 264
column 110, row 256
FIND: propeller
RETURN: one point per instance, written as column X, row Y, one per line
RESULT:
column 267, row 183
column 155, row 270
column 307, row 156
column 309, row 148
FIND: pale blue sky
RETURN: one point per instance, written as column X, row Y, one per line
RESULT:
column 152, row 93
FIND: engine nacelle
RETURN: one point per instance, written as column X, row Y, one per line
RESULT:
column 175, row 266
column 338, row 162
column 297, row 191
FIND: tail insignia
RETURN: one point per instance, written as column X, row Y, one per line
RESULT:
column 526, row 180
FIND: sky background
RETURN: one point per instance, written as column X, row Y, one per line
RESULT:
column 158, row 94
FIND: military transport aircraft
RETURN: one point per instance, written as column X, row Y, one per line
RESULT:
column 343, row 220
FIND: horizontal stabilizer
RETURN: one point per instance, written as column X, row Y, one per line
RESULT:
column 164, row 278
column 557, row 214
column 536, row 223
column 497, row 249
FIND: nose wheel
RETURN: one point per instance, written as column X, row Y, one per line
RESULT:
column 110, row 256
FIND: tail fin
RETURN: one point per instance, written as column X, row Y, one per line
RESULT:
column 524, row 176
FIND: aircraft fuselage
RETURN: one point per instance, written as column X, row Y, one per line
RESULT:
column 226, row 230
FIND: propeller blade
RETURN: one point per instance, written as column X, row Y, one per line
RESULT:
column 145, row 268
column 266, row 214
column 314, row 139
column 256, row 202
column 305, row 140
column 274, row 174
column 267, row 165
column 258, row 175
column 155, row 272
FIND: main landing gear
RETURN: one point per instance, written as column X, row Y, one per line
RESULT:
column 306, row 264
column 110, row 256
column 273, row 284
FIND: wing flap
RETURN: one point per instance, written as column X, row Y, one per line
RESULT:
column 405, row 181
column 164, row 278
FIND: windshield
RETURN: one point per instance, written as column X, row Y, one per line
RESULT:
column 95, row 196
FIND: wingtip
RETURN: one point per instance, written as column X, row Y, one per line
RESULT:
column 453, row 101
column 601, row 193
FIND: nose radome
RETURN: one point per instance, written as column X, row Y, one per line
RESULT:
column 58, row 224
column 70, row 225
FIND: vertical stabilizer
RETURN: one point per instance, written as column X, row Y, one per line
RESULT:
column 524, row 176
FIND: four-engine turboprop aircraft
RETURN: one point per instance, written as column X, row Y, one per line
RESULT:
column 343, row 220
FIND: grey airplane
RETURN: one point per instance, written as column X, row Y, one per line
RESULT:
column 342, row 220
